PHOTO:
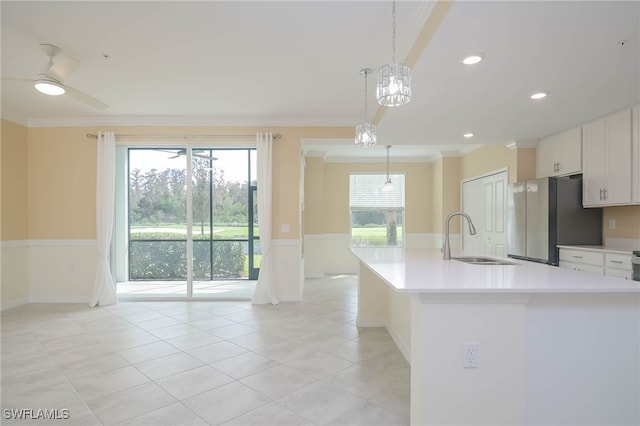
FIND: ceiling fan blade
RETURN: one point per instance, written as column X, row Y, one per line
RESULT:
column 206, row 157
column 84, row 98
column 63, row 66
column 176, row 153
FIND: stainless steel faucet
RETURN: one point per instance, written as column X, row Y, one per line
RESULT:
column 446, row 248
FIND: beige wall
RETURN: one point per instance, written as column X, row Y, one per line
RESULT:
column 489, row 158
column 13, row 147
column 314, row 196
column 627, row 222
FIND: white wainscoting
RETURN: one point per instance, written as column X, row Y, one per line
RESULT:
column 15, row 274
column 314, row 255
column 47, row 271
column 288, row 270
column 62, row 271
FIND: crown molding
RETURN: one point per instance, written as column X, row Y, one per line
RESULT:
column 205, row 121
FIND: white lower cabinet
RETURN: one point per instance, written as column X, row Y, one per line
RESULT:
column 582, row 260
column 618, row 265
column 603, row 262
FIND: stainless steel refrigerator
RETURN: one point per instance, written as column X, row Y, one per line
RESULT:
column 546, row 212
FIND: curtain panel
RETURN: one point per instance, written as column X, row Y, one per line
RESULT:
column 264, row 292
column 104, row 289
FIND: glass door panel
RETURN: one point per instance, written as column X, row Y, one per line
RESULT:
column 157, row 213
column 220, row 219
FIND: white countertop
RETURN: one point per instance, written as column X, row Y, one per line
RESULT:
column 424, row 271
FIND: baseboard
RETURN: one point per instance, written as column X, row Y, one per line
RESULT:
column 370, row 322
column 55, row 299
column 14, row 304
column 406, row 352
column 314, row 275
column 376, row 322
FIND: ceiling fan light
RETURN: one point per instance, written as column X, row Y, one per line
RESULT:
column 49, row 87
column 394, row 85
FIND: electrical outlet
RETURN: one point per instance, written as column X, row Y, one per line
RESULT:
column 612, row 224
column 471, row 355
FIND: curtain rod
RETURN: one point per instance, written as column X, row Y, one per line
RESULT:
column 177, row 136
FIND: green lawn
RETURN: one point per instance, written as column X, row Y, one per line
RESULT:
column 179, row 231
column 373, row 236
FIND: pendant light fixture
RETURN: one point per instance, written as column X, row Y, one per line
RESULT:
column 365, row 132
column 388, row 185
column 394, row 80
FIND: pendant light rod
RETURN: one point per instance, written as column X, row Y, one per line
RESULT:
column 365, row 72
column 388, row 148
column 393, row 33
column 366, row 131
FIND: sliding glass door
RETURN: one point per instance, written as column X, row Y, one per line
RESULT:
column 192, row 219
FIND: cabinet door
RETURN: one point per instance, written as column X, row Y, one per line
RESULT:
column 635, row 167
column 618, row 158
column 548, row 156
column 593, row 164
column 571, row 152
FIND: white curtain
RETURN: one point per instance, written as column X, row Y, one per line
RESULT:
column 264, row 292
column 104, row 289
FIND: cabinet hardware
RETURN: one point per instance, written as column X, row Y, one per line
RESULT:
column 606, row 194
column 617, row 261
column 577, row 257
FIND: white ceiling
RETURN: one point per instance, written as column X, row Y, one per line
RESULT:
column 297, row 63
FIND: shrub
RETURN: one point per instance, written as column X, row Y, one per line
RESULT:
column 167, row 260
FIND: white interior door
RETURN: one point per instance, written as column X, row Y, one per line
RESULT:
column 472, row 204
column 484, row 199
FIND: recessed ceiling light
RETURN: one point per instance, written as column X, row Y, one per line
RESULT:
column 539, row 95
column 469, row 135
column 473, row 59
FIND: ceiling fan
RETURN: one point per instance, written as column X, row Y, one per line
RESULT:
column 183, row 152
column 50, row 80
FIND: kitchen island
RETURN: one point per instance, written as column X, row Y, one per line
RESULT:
column 550, row 345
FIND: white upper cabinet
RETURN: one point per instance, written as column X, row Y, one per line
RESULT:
column 636, row 155
column 606, row 160
column 560, row 154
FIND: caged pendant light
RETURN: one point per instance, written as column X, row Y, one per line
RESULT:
column 365, row 132
column 394, row 80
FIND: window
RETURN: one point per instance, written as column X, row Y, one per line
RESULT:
column 377, row 217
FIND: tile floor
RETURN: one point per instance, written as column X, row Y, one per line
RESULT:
column 205, row 363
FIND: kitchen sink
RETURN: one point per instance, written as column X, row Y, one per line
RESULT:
column 476, row 260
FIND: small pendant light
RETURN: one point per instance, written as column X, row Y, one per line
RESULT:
column 365, row 132
column 388, row 185
column 394, row 80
